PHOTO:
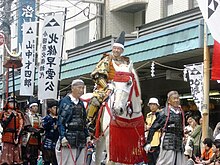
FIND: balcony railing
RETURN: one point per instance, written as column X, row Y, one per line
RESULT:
column 130, row 6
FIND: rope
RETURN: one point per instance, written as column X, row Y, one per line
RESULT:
column 72, row 156
column 71, row 153
column 165, row 66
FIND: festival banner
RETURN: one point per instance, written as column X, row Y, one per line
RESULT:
column 26, row 13
column 49, row 68
column 211, row 13
column 216, row 61
column 28, row 59
column 195, row 72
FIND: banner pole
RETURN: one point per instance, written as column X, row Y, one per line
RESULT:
column 64, row 25
column 206, row 80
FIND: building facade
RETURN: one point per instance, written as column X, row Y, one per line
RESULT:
column 169, row 32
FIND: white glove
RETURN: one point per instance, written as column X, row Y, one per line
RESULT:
column 147, row 148
column 64, row 142
column 88, row 139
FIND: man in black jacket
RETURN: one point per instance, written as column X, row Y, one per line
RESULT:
column 72, row 126
column 171, row 121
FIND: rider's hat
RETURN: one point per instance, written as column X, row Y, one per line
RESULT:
column 120, row 40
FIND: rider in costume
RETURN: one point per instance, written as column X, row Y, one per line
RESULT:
column 103, row 73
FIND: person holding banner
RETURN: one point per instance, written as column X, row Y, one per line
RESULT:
column 72, row 127
column 12, row 122
column 171, row 120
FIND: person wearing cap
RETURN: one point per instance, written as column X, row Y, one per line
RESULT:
column 34, row 129
column 12, row 121
column 72, row 127
column 171, row 121
column 51, row 133
column 155, row 143
column 102, row 74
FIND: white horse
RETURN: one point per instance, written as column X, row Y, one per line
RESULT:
column 121, row 120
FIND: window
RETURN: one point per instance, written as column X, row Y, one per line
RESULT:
column 82, row 34
column 193, row 4
column 168, row 8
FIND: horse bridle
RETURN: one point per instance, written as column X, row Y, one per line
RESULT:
column 125, row 77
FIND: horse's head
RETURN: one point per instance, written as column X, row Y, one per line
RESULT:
column 126, row 90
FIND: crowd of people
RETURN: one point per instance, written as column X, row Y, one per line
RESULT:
column 27, row 134
column 63, row 135
column 175, row 138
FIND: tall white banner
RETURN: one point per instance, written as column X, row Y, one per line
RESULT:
column 28, row 59
column 49, row 68
column 211, row 12
column 196, row 83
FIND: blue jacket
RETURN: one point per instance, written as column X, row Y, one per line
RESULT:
column 65, row 115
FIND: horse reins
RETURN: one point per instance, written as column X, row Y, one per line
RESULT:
column 72, row 156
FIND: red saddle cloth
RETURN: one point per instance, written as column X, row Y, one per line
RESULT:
column 127, row 140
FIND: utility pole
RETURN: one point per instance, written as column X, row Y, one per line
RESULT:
column 5, row 27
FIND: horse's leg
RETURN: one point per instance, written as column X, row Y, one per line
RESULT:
column 100, row 147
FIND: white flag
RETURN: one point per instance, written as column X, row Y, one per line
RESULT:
column 49, row 68
column 28, row 59
column 211, row 12
column 196, row 83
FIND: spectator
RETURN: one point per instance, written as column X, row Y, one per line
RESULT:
column 155, row 143
column 216, row 130
column 196, row 134
column 215, row 159
column 207, row 153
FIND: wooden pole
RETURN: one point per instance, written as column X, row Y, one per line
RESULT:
column 64, row 26
column 206, row 79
